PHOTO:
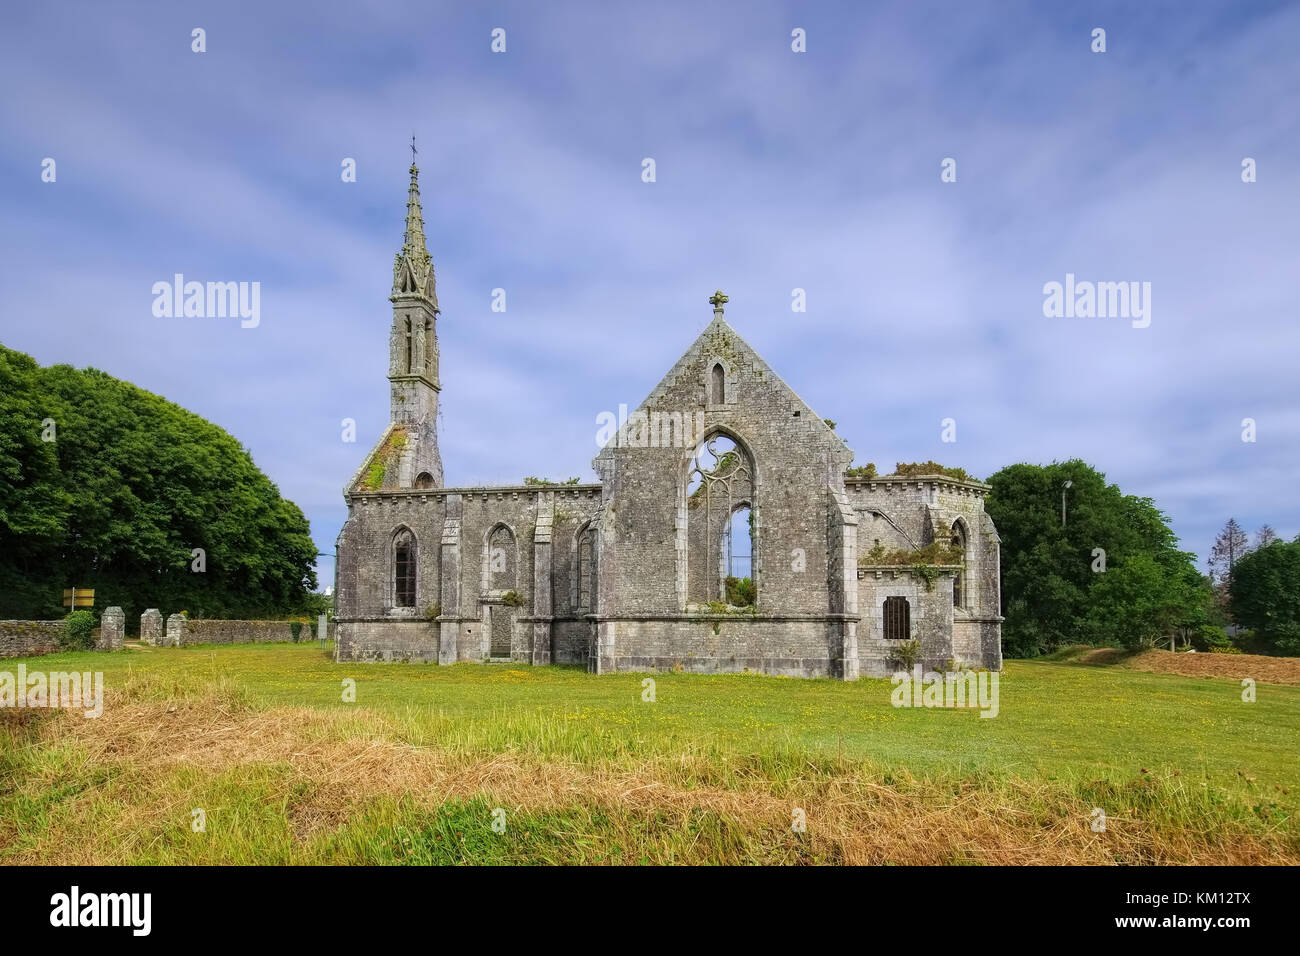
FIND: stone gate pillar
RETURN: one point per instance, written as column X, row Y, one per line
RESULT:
column 112, row 629
column 151, row 627
column 175, row 630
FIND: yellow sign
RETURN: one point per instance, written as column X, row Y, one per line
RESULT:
column 78, row 597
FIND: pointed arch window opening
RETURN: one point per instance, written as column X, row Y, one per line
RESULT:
column 719, row 487
column 958, row 542
column 586, row 570
column 718, row 380
column 502, row 559
column 404, row 568
column 409, row 345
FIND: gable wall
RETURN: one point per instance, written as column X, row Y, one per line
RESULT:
column 646, row 486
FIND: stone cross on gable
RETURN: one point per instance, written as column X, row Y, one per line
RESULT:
column 718, row 299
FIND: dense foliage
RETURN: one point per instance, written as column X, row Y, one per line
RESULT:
column 1264, row 593
column 1054, row 591
column 78, row 632
column 128, row 486
column 911, row 469
column 740, row 591
column 918, row 469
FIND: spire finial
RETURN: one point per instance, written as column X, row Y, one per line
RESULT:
column 413, row 267
column 718, row 299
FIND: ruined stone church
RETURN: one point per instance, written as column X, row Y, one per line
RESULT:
column 723, row 534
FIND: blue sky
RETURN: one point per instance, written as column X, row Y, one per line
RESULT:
column 775, row 171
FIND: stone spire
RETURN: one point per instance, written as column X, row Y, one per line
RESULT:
column 413, row 354
column 413, row 266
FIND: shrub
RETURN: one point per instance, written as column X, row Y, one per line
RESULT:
column 740, row 591
column 78, row 631
column 935, row 553
column 1286, row 640
column 918, row 469
column 1210, row 637
column 908, row 654
column 512, row 599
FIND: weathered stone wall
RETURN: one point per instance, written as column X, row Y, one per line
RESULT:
column 790, row 647
column 915, row 512
column 571, row 641
column 29, row 638
column 35, row 638
column 387, row 640
column 244, row 632
column 796, row 460
column 652, row 570
column 365, row 552
column 182, row 632
column 456, row 531
column 891, row 512
column 478, row 598
column 929, row 610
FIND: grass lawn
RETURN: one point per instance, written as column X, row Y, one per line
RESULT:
column 715, row 770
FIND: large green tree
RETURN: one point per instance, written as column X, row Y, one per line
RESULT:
column 1054, row 588
column 1264, row 592
column 104, row 485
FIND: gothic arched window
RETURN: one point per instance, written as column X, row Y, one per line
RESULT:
column 502, row 559
column 404, row 562
column 409, row 346
column 720, row 536
column 586, row 569
column 958, row 543
column 719, row 383
column 738, row 558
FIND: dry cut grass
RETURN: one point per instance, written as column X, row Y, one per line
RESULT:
column 306, row 785
column 1258, row 667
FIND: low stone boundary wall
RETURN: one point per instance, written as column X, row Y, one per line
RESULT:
column 182, row 632
column 29, row 638
column 34, row 638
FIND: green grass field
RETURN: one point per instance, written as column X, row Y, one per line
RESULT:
column 586, row 771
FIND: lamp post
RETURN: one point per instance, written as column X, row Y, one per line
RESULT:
column 1068, row 484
